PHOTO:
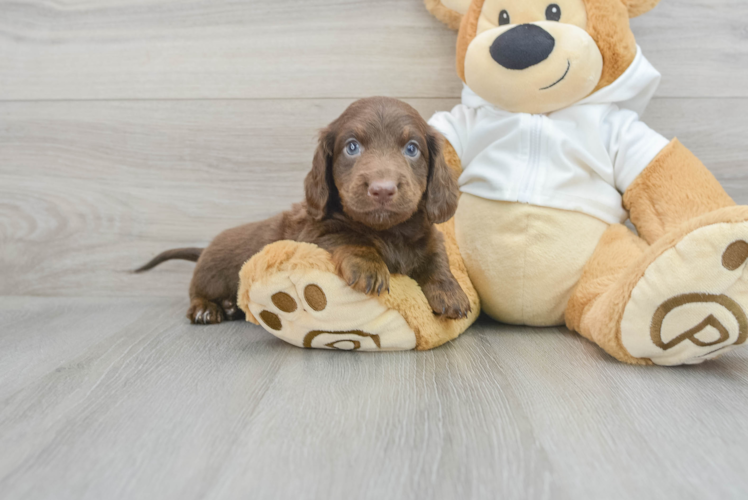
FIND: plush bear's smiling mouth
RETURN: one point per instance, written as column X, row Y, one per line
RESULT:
column 568, row 67
column 501, row 69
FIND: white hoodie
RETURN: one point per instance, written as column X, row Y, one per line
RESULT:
column 580, row 158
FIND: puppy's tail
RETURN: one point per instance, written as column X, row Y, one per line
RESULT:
column 191, row 254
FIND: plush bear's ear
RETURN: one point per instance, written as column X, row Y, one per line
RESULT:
column 449, row 12
column 468, row 30
column 639, row 7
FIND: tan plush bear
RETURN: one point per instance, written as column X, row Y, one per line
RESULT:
column 555, row 159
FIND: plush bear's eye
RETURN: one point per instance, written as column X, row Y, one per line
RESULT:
column 503, row 18
column 553, row 12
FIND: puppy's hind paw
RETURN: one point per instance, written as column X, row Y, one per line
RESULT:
column 204, row 312
column 231, row 311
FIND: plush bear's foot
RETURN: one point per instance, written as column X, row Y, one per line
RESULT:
column 690, row 303
column 293, row 291
column 314, row 309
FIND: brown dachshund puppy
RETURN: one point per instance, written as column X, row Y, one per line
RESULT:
column 378, row 185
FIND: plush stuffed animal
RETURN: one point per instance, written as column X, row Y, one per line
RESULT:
column 555, row 159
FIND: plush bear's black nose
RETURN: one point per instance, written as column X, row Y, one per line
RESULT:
column 522, row 47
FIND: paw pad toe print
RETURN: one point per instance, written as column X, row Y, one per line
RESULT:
column 316, row 300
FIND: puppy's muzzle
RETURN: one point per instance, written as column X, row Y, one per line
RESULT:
column 523, row 46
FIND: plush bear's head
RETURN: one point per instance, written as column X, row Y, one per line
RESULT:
column 539, row 56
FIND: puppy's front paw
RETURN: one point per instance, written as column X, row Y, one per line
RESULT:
column 363, row 274
column 447, row 300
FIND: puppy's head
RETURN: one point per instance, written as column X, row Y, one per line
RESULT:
column 380, row 163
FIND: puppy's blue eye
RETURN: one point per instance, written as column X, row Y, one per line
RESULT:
column 353, row 148
column 411, row 150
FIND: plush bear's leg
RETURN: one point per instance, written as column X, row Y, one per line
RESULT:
column 682, row 300
column 292, row 290
column 676, row 187
column 596, row 293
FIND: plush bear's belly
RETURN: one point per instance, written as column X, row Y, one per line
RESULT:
column 524, row 260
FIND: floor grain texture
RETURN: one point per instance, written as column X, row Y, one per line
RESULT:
column 131, row 126
column 151, row 407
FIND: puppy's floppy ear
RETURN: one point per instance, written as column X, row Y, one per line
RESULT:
column 319, row 185
column 442, row 192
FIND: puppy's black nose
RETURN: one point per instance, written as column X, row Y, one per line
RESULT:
column 382, row 191
column 522, row 47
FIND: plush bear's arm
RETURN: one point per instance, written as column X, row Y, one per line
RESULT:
column 676, row 187
column 452, row 159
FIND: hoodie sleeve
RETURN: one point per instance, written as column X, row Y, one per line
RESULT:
column 454, row 126
column 631, row 144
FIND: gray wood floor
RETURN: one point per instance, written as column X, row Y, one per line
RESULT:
column 131, row 126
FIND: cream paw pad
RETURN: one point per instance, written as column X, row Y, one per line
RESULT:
column 691, row 303
column 291, row 290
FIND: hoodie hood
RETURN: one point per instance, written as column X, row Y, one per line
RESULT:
column 632, row 90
